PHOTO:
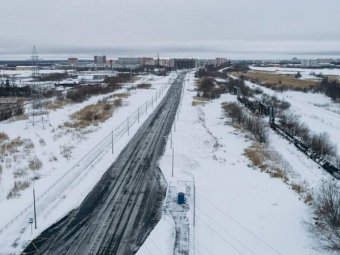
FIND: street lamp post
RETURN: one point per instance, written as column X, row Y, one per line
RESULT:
column 173, row 161
column 35, row 211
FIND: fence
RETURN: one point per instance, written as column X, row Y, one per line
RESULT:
column 86, row 163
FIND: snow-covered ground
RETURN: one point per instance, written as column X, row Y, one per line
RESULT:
column 66, row 177
column 316, row 110
column 239, row 209
column 305, row 73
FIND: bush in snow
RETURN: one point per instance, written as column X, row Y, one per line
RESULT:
column 3, row 136
column 18, row 186
column 66, row 151
column 321, row 144
column 35, row 164
column 254, row 125
column 207, row 86
column 326, row 224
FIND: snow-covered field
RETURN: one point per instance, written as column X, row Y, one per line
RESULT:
column 305, row 73
column 316, row 110
column 239, row 209
column 72, row 161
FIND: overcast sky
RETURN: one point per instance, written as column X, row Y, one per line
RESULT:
column 183, row 27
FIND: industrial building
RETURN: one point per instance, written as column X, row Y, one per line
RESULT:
column 72, row 61
column 220, row 61
column 309, row 63
column 100, row 61
column 183, row 63
column 133, row 63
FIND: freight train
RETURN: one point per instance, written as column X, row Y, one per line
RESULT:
column 260, row 108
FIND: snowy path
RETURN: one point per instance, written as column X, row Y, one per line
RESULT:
column 182, row 225
column 239, row 210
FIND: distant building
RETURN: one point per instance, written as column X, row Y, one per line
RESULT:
column 110, row 62
column 183, row 63
column 220, row 61
column 24, row 68
column 164, row 62
column 309, row 63
column 325, row 62
column 204, row 62
column 129, row 63
column 100, row 60
column 296, row 61
column 72, row 61
column 147, row 62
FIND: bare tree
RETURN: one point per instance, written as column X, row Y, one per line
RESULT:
column 259, row 130
column 254, row 125
column 326, row 224
column 235, row 112
column 206, row 84
column 321, row 144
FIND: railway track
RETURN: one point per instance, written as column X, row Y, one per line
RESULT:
column 255, row 108
column 122, row 209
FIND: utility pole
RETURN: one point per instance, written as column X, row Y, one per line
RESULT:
column 171, row 139
column 35, row 211
column 112, row 140
column 173, row 161
column 128, row 126
column 131, row 74
column 175, row 124
column 37, row 113
column 31, row 222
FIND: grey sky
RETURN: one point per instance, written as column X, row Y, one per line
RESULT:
column 185, row 27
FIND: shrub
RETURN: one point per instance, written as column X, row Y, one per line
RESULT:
column 326, row 224
column 3, row 137
column 298, row 75
column 321, row 144
column 66, row 151
column 144, row 86
column 118, row 102
column 254, row 125
column 83, row 92
column 18, row 186
column 207, row 86
column 35, row 164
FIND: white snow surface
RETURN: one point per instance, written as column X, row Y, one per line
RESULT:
column 305, row 73
column 64, row 183
column 239, row 209
column 316, row 110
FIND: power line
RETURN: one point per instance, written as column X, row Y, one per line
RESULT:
column 225, row 240
column 204, row 247
column 228, row 232
column 154, row 243
column 240, row 225
column 151, row 253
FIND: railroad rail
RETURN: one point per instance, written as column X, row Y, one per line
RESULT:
column 262, row 109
